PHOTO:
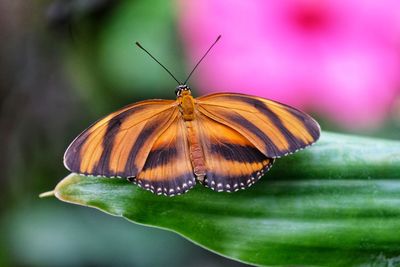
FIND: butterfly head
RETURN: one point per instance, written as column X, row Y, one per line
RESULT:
column 182, row 89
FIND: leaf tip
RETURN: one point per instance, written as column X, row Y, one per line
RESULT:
column 47, row 194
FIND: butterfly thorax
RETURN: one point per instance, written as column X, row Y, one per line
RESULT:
column 186, row 105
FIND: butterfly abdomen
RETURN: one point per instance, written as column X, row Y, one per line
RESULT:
column 196, row 152
column 197, row 159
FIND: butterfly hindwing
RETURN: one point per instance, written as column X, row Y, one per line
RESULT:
column 232, row 161
column 168, row 169
column 118, row 144
column 274, row 128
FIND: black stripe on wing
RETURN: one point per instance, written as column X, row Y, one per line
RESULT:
column 272, row 149
column 238, row 153
column 310, row 124
column 168, row 170
column 72, row 158
column 149, row 131
column 108, row 144
column 160, row 157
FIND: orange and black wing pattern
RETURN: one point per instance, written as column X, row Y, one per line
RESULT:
column 273, row 128
column 119, row 144
column 225, row 141
column 232, row 161
column 168, row 170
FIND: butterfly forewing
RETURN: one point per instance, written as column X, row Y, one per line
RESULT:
column 273, row 128
column 232, row 161
column 119, row 144
column 168, row 169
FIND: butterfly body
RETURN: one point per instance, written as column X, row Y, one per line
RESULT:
column 187, row 108
column 226, row 141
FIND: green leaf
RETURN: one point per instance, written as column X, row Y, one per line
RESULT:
column 334, row 204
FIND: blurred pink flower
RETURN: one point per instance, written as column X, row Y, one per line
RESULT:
column 338, row 58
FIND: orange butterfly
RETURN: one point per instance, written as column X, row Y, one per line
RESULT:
column 226, row 141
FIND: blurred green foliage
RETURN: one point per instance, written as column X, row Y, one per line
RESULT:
column 109, row 66
column 49, row 234
column 124, row 66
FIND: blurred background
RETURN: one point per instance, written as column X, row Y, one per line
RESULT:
column 65, row 63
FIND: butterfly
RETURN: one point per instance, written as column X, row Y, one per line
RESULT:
column 225, row 141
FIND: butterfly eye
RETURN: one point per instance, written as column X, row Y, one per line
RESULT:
column 178, row 91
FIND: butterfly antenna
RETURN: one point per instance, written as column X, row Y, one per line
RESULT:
column 198, row 63
column 141, row 47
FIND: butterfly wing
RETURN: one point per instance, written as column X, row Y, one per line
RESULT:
column 119, row 144
column 232, row 161
column 273, row 128
column 168, row 169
